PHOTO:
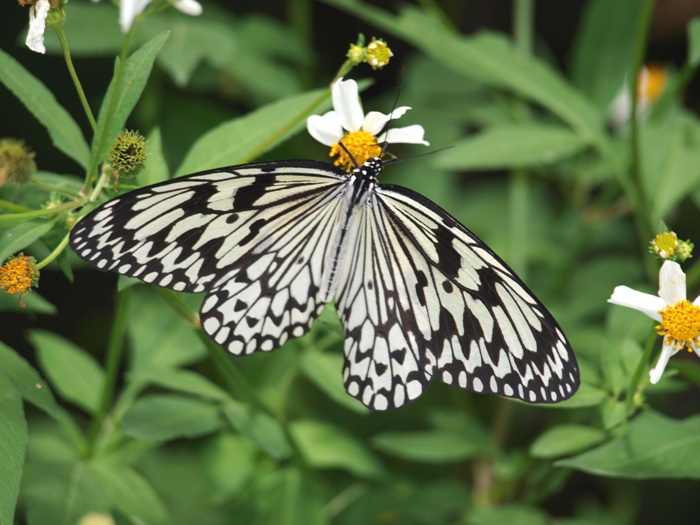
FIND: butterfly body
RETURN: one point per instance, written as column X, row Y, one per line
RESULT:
column 419, row 295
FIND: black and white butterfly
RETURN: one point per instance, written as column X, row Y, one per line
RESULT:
column 419, row 295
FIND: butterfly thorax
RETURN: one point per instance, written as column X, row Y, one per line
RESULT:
column 361, row 183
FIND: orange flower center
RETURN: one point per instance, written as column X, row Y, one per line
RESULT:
column 357, row 148
column 680, row 325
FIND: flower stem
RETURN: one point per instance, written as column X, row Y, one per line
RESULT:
column 115, row 350
column 38, row 214
column 76, row 81
column 55, row 253
column 636, row 377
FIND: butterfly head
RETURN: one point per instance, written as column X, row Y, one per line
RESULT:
column 371, row 169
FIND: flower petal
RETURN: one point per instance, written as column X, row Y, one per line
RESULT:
column 671, row 282
column 37, row 26
column 375, row 121
column 326, row 129
column 644, row 302
column 189, row 7
column 408, row 135
column 346, row 102
column 666, row 352
column 129, row 10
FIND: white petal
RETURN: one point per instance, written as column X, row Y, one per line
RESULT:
column 189, row 7
column 326, row 129
column 671, row 282
column 408, row 135
column 666, row 352
column 129, row 10
column 644, row 302
column 37, row 26
column 346, row 102
column 375, row 121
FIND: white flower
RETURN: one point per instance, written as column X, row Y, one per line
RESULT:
column 679, row 319
column 37, row 25
column 364, row 132
column 130, row 9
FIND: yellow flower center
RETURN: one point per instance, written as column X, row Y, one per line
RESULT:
column 378, row 54
column 651, row 82
column 357, row 148
column 665, row 244
column 680, row 325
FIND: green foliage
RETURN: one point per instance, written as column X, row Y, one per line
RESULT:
column 173, row 430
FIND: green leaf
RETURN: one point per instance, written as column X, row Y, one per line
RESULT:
column 669, row 151
column 64, row 132
column 15, row 239
column 155, row 168
column 230, row 462
column 564, row 440
column 129, row 493
column 121, row 97
column 159, row 337
column 288, row 497
column 694, row 42
column 585, row 396
column 434, row 446
column 654, row 446
column 242, row 139
column 13, row 443
column 160, row 417
column 259, row 427
column 27, row 381
column 182, row 381
column 324, row 370
column 327, row 446
column 513, row 513
column 602, row 53
column 33, row 302
column 613, row 412
column 74, row 373
column 512, row 146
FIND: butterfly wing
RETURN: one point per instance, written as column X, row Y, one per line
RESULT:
column 422, row 297
column 255, row 237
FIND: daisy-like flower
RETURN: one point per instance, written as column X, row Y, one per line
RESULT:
column 651, row 83
column 37, row 25
column 360, row 134
column 679, row 319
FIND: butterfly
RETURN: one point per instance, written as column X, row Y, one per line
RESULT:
column 420, row 297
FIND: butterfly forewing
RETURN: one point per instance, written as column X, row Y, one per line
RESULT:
column 420, row 296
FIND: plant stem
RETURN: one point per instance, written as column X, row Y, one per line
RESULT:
column 115, row 350
column 55, row 253
column 641, row 366
column 644, row 219
column 76, row 81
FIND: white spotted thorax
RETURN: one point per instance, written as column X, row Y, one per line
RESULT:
column 420, row 297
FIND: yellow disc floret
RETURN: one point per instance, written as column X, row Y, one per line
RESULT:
column 680, row 325
column 18, row 275
column 357, row 148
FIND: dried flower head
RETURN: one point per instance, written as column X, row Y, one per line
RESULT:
column 16, row 162
column 128, row 153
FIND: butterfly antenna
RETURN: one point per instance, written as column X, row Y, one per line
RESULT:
column 396, row 160
column 391, row 114
column 347, row 151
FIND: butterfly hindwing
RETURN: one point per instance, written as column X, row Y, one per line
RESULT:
column 472, row 322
